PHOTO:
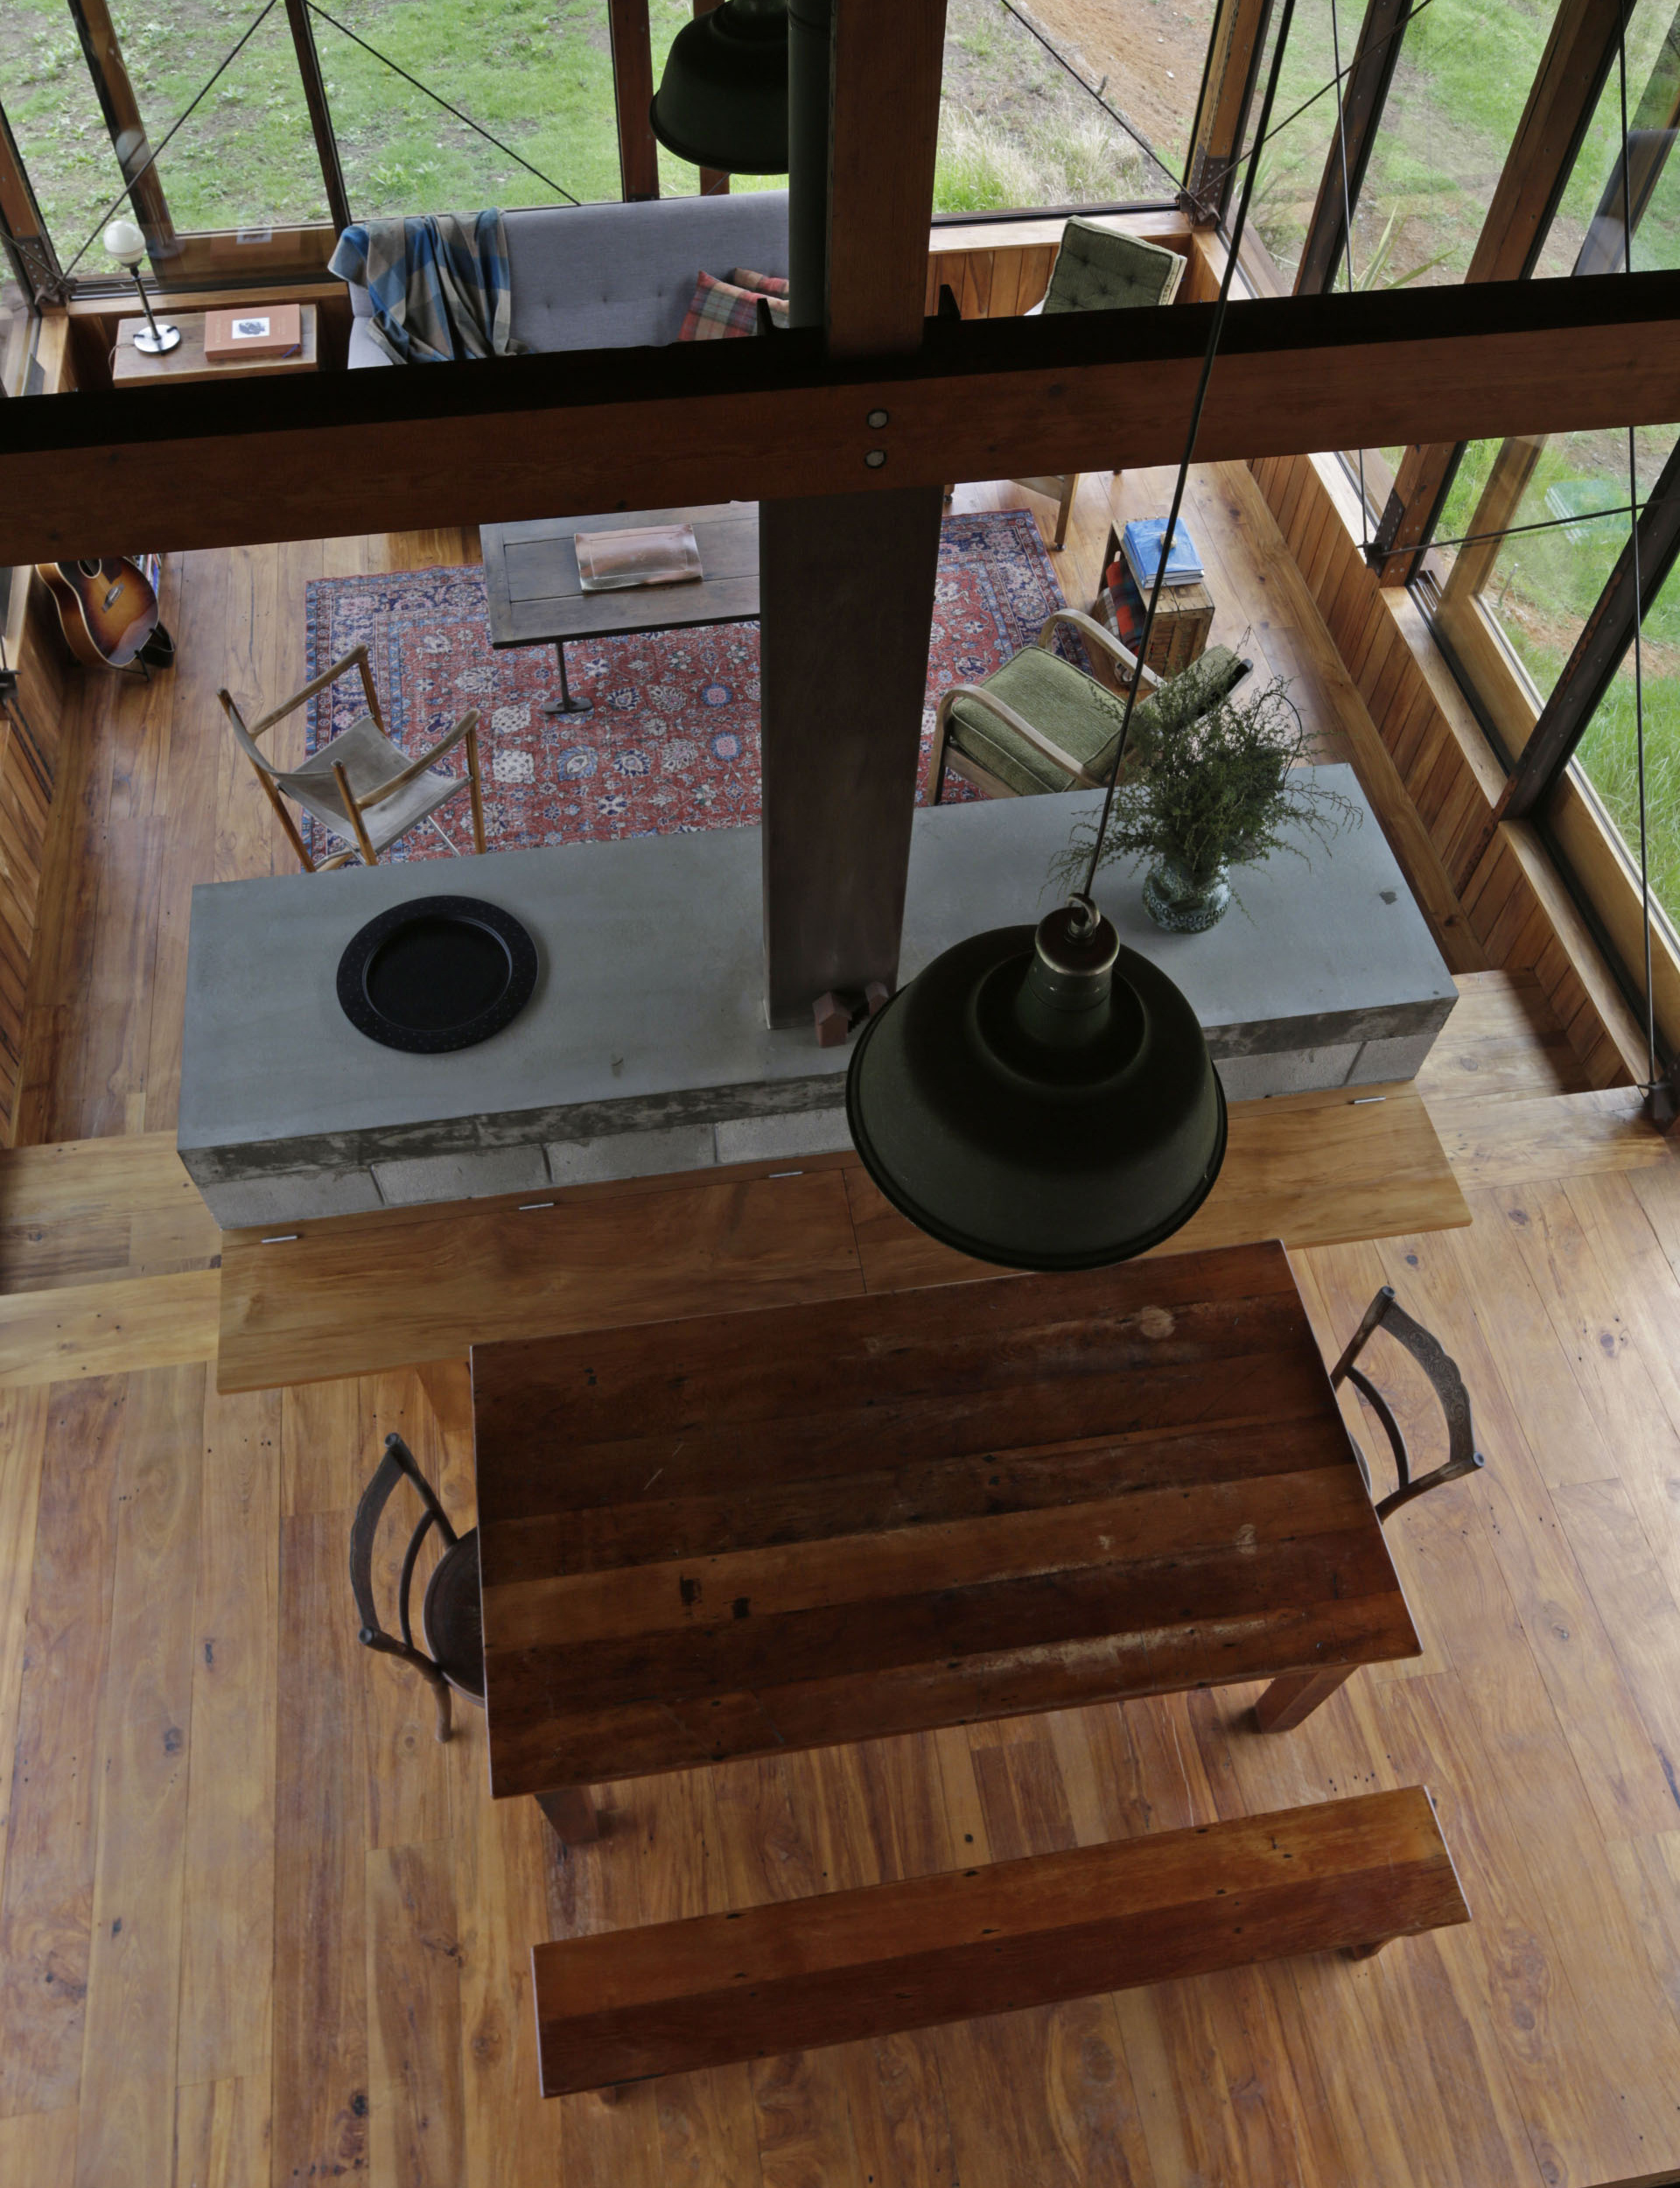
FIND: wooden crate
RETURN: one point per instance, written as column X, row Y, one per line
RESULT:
column 1182, row 622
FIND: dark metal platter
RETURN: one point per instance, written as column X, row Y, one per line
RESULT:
column 438, row 973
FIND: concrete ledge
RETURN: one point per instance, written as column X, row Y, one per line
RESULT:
column 645, row 1049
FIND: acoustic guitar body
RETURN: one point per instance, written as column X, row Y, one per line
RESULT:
column 107, row 610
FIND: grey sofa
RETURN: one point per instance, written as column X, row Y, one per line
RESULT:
column 617, row 276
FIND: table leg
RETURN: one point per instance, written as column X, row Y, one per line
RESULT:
column 563, row 702
column 573, row 1814
column 1296, row 1695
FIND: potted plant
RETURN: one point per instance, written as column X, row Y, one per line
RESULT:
column 1202, row 792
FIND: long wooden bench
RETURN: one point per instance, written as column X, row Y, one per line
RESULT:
column 629, row 2004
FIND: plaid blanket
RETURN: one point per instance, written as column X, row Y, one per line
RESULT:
column 438, row 283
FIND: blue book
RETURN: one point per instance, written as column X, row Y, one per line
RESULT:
column 1141, row 545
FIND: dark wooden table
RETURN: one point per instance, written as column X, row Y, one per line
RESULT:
column 530, row 573
column 744, row 1533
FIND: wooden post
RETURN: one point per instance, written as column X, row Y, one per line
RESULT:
column 320, row 118
column 126, row 124
column 1223, row 110
column 632, row 92
column 21, row 226
column 846, row 581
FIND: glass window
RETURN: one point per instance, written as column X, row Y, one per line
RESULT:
column 1535, row 588
column 56, row 120
column 1291, row 160
column 14, row 331
column 1020, row 128
column 1459, row 86
column 1586, row 234
column 537, row 76
column 1607, row 755
column 244, row 157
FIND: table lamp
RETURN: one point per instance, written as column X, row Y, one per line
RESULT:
column 125, row 242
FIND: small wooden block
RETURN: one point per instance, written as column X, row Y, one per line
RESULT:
column 627, row 2005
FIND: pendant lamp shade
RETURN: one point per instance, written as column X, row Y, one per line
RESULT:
column 723, row 100
column 1041, row 1097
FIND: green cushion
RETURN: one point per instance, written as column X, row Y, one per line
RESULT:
column 1098, row 269
column 1066, row 705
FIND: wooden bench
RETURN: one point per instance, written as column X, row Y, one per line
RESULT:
column 629, row 2004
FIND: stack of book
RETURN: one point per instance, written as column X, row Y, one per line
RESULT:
column 1140, row 550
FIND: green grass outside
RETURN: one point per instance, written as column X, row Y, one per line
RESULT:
column 536, row 73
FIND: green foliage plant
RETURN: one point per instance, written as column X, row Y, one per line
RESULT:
column 1213, row 790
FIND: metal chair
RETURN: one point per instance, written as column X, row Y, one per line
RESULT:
column 1386, row 1313
column 450, row 1617
column 360, row 786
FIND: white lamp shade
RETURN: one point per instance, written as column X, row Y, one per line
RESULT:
column 125, row 241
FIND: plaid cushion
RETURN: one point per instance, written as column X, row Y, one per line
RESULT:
column 765, row 284
column 719, row 308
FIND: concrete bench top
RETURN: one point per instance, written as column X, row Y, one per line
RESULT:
column 648, row 1015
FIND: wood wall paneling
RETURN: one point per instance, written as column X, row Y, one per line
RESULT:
column 1509, row 896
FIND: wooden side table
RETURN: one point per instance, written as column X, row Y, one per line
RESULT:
column 131, row 368
column 1182, row 622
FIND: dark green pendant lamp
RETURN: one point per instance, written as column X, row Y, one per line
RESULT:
column 723, row 100
column 1044, row 1097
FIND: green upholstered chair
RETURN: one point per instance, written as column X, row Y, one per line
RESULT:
column 1039, row 723
column 1100, row 268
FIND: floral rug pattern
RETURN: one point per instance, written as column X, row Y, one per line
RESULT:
column 673, row 743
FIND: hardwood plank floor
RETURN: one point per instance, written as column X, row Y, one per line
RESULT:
column 322, row 1964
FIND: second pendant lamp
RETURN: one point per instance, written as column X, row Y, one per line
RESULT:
column 723, row 100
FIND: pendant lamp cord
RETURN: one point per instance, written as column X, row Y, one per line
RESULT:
column 1639, row 598
column 1082, row 896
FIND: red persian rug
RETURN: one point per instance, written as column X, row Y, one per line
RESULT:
column 673, row 743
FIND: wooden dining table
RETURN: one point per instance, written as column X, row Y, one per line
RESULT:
column 743, row 1532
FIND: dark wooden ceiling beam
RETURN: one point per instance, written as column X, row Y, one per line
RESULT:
column 586, row 431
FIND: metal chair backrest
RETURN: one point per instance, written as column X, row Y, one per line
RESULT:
column 397, row 1464
column 1442, row 1371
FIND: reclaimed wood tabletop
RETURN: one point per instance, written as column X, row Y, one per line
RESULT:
column 742, row 1533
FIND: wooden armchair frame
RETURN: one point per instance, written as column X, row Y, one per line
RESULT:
column 945, row 754
column 269, row 776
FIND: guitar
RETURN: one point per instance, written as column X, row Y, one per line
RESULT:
column 107, row 610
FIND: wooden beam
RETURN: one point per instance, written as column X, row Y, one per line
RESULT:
column 126, row 124
column 633, row 93
column 1227, row 83
column 320, row 118
column 324, row 455
column 1369, row 75
column 1560, row 105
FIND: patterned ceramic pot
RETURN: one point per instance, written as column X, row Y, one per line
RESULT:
column 1179, row 904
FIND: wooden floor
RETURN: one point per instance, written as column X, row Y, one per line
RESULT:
column 256, row 1928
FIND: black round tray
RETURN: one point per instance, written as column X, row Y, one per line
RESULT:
column 440, row 972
